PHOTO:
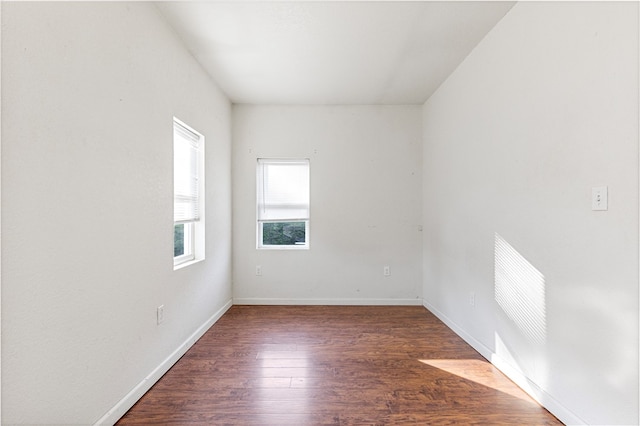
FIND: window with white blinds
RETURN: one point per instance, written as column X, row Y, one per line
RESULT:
column 283, row 203
column 188, row 183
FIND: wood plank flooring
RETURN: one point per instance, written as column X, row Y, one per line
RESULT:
column 334, row 365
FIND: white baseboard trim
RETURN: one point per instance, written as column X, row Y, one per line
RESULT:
column 345, row 302
column 120, row 409
column 540, row 395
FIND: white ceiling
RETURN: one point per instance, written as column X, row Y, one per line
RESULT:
column 332, row 52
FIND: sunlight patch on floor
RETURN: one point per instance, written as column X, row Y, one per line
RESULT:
column 481, row 372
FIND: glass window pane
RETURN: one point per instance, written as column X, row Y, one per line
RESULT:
column 283, row 233
column 178, row 240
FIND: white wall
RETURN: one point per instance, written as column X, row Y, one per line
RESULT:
column 0, row 222
column 545, row 108
column 365, row 204
column 89, row 92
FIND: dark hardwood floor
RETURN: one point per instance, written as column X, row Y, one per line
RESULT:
column 334, row 365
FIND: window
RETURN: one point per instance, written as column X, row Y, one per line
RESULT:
column 283, row 203
column 188, row 194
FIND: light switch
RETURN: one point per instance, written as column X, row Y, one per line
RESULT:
column 599, row 198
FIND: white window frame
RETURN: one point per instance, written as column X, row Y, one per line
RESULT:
column 194, row 220
column 297, row 217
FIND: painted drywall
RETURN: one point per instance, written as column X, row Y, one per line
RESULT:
column 365, row 204
column 89, row 91
column 0, row 223
column 544, row 109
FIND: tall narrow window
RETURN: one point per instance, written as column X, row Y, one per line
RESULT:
column 188, row 183
column 283, row 203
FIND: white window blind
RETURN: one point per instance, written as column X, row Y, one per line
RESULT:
column 283, row 190
column 186, row 151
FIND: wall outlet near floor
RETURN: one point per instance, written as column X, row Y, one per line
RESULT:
column 386, row 271
column 258, row 270
column 472, row 299
column 160, row 314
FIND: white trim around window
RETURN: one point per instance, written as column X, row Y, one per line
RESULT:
column 283, row 203
column 188, row 194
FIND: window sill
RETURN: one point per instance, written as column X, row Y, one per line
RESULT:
column 283, row 248
column 185, row 264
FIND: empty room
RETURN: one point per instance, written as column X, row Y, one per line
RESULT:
column 322, row 212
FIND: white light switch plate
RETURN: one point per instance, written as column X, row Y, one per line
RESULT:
column 160, row 314
column 599, row 198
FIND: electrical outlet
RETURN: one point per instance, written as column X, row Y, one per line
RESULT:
column 160, row 314
column 386, row 271
column 472, row 299
column 258, row 270
column 599, row 198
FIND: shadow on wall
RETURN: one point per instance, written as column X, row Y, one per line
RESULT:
column 520, row 291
